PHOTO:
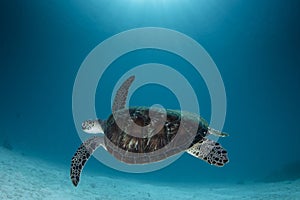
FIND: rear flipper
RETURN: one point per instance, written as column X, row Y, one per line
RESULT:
column 82, row 155
column 209, row 151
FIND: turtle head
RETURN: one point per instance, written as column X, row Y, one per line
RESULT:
column 92, row 126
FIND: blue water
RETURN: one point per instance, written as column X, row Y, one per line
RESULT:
column 255, row 45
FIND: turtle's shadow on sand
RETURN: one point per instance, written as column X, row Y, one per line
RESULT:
column 288, row 172
column 7, row 145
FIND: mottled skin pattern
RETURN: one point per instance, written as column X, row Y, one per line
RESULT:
column 147, row 142
column 209, row 151
column 82, row 154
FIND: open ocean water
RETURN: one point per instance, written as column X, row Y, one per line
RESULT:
column 255, row 46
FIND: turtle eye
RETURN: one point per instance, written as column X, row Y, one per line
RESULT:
column 92, row 124
column 87, row 125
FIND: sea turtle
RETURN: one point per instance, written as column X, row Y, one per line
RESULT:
column 140, row 135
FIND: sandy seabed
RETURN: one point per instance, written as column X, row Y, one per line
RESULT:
column 23, row 177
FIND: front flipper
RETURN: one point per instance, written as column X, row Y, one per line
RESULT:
column 82, row 155
column 121, row 95
column 209, row 151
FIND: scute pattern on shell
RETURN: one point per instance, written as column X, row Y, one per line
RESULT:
column 149, row 147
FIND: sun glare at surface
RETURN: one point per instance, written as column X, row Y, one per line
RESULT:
column 158, row 2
